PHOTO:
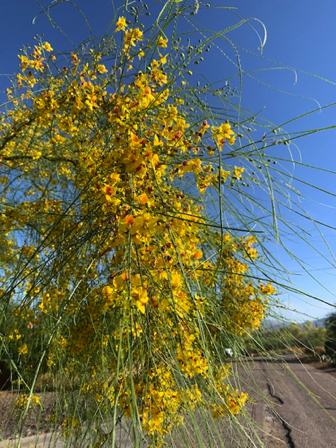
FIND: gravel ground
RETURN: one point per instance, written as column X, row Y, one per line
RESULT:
column 38, row 417
column 299, row 411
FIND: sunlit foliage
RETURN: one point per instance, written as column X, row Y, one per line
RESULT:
column 112, row 266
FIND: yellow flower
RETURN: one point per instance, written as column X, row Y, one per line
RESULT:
column 114, row 178
column 231, row 140
column 101, row 68
column 268, row 289
column 144, row 199
column 119, row 281
column 140, row 298
column 223, row 133
column 121, row 24
column 126, row 223
column 107, row 290
column 35, row 399
column 23, row 350
column 197, row 255
column 47, row 46
column 238, row 172
column 23, row 401
column 24, row 62
column 15, row 336
column 163, row 59
column 162, row 42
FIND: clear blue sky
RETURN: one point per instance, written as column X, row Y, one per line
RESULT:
column 300, row 34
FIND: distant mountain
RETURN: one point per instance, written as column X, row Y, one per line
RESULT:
column 319, row 322
column 274, row 324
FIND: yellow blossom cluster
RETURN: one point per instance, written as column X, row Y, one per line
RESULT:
column 117, row 263
column 24, row 400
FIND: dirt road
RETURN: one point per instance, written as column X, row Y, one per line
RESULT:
column 299, row 411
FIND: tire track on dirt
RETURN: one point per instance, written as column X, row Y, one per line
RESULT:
column 286, row 427
column 304, row 398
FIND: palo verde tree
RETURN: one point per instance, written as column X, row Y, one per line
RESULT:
column 119, row 252
column 114, row 266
